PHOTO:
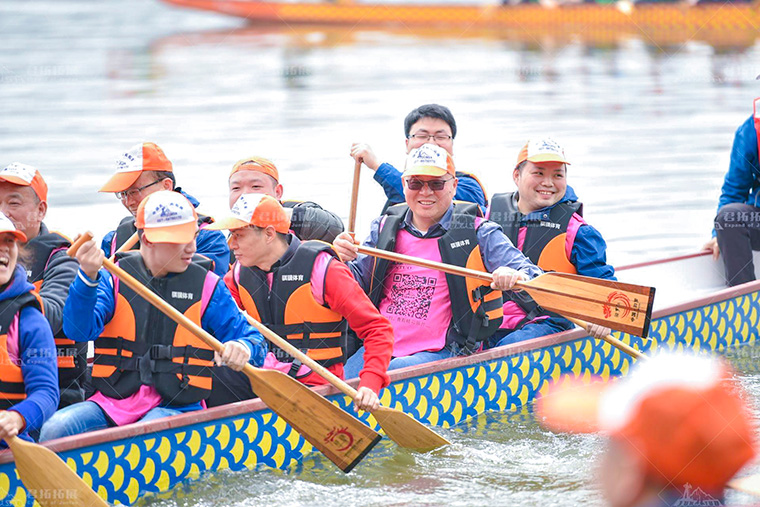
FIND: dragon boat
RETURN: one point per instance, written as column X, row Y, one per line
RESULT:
column 693, row 310
column 721, row 23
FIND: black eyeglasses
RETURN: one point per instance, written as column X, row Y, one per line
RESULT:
column 434, row 185
column 441, row 138
column 134, row 192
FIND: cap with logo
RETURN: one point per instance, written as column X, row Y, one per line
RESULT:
column 131, row 164
column 542, row 150
column 26, row 176
column 429, row 160
column 684, row 415
column 7, row 226
column 255, row 209
column 167, row 217
column 256, row 164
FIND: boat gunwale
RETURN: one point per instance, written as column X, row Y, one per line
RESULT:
column 248, row 406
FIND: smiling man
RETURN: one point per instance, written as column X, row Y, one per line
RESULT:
column 430, row 123
column 140, row 172
column 545, row 221
column 434, row 315
column 23, row 199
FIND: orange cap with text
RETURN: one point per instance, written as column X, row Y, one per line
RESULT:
column 26, row 176
column 167, row 216
column 255, row 209
column 429, row 160
column 684, row 415
column 542, row 150
column 256, row 164
column 139, row 158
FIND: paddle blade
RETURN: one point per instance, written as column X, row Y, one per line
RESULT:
column 341, row 437
column 407, row 431
column 49, row 479
column 621, row 306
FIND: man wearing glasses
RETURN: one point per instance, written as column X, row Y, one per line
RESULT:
column 435, row 316
column 430, row 123
column 140, row 172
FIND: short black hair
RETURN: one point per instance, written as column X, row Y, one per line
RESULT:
column 162, row 175
column 430, row 111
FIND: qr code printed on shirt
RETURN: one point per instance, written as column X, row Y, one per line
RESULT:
column 411, row 295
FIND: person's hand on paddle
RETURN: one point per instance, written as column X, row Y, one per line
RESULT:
column 235, row 356
column 712, row 245
column 366, row 399
column 597, row 331
column 90, row 258
column 504, row 278
column 345, row 246
column 11, row 424
column 362, row 152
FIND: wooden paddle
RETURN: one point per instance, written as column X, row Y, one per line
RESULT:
column 341, row 437
column 131, row 241
column 49, row 480
column 558, row 302
column 400, row 427
column 621, row 306
column 611, row 340
column 354, row 197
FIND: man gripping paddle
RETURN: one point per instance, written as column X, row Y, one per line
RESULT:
column 146, row 367
column 302, row 292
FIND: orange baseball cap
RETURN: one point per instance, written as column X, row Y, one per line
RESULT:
column 167, row 216
column 255, row 209
column 542, row 150
column 129, row 167
column 26, row 176
column 256, row 164
column 683, row 414
column 429, row 160
column 7, row 226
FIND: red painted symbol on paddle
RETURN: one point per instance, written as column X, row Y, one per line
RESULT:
column 340, row 438
column 617, row 298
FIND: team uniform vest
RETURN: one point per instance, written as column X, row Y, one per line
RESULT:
column 289, row 308
column 545, row 239
column 127, row 228
column 72, row 356
column 476, row 308
column 141, row 346
column 11, row 378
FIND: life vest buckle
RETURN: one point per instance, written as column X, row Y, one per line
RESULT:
column 161, row 352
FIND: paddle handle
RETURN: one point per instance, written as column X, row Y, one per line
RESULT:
column 354, row 197
column 619, row 344
column 424, row 263
column 293, row 351
column 151, row 297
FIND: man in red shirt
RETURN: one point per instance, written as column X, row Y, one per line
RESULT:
column 305, row 294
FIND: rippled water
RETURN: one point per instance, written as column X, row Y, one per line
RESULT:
column 648, row 130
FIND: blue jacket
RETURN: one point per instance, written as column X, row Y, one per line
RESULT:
column 210, row 243
column 90, row 306
column 39, row 364
column 390, row 178
column 742, row 181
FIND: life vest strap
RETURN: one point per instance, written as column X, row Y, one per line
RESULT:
column 11, row 388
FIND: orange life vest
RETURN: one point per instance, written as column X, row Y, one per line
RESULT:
column 12, row 388
column 141, row 346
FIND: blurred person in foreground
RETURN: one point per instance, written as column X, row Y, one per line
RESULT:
column 678, row 429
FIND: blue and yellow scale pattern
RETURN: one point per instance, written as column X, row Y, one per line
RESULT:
column 123, row 471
